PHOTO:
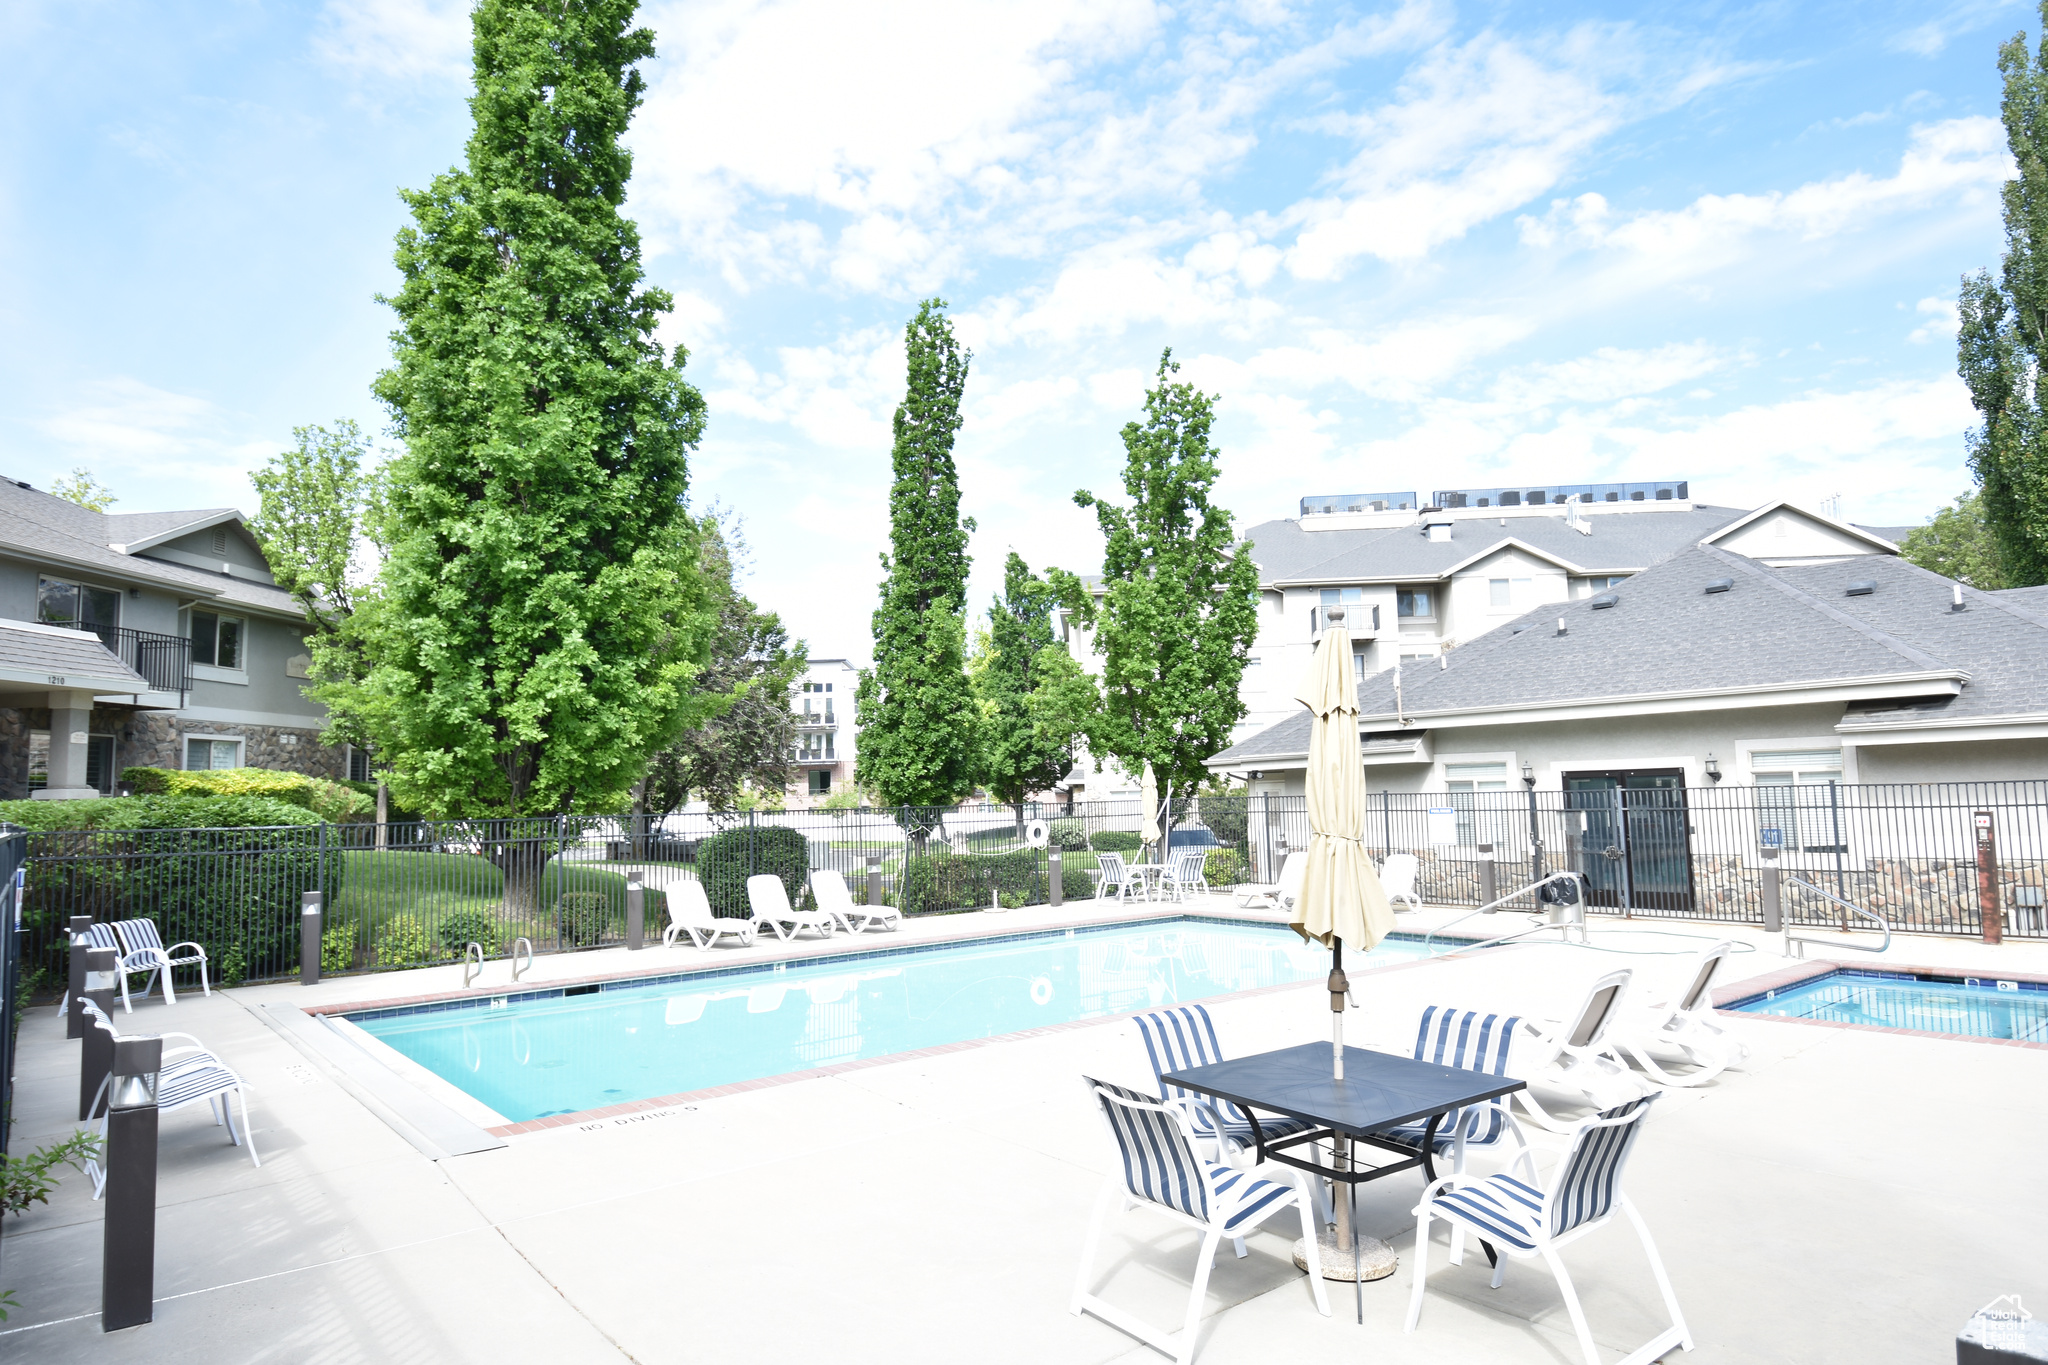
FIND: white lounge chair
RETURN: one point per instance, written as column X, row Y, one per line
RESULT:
column 1111, row 875
column 1685, row 1025
column 1185, row 877
column 770, row 901
column 1525, row 1221
column 1277, row 894
column 186, row 1075
column 689, row 912
column 141, row 949
column 1397, row 879
column 1575, row 1058
column 1156, row 1166
column 828, row 889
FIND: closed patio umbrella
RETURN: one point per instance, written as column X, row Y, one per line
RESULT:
column 1340, row 902
column 1148, row 800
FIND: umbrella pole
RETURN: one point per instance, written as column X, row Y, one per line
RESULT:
column 1340, row 986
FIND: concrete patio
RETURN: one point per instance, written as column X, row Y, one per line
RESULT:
column 1850, row 1195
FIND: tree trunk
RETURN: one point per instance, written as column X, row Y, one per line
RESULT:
column 521, row 852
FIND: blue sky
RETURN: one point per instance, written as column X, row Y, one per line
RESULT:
column 1411, row 246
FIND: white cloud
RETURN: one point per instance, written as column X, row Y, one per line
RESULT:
column 1941, row 322
column 406, row 39
column 128, row 433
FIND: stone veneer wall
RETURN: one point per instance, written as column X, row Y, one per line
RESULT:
column 158, row 742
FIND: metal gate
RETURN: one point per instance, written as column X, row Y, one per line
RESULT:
column 1633, row 839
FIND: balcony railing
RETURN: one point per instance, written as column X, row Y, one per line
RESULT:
column 817, row 720
column 164, row 660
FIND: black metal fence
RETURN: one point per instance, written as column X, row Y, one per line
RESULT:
column 13, row 851
column 408, row 894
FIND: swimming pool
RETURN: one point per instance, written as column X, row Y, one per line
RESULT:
column 1969, row 1007
column 539, row 1053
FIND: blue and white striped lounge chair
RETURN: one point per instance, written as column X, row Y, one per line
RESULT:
column 1157, row 1167
column 187, row 1075
column 1526, row 1222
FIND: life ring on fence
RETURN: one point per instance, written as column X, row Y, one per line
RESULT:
column 1037, row 834
column 1041, row 990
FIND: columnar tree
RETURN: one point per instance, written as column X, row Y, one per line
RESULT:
column 538, row 621
column 2004, row 334
column 1956, row 543
column 1178, row 604
column 915, row 708
column 1016, row 757
column 751, row 672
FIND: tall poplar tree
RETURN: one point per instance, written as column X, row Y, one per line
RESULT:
column 1018, row 757
column 538, row 619
column 2003, row 339
column 1178, row 609
column 915, row 708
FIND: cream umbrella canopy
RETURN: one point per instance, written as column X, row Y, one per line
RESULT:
column 1340, row 901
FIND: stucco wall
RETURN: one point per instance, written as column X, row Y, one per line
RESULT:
column 1982, row 761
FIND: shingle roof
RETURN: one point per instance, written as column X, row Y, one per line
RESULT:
column 2033, row 599
column 1621, row 542
column 1774, row 628
column 41, row 527
column 45, row 652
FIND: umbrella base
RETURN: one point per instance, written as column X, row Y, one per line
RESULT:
column 1376, row 1260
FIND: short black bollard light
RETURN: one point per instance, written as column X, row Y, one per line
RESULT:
column 310, row 915
column 1056, row 884
column 75, row 1020
column 636, row 910
column 128, row 1247
column 96, row 1053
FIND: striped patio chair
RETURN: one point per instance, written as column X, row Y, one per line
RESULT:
column 1111, row 875
column 1158, row 1168
column 1527, row 1222
column 1186, row 875
column 187, row 1075
column 1474, row 1042
column 142, row 949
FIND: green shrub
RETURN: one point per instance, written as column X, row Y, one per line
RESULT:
column 1115, row 841
column 587, row 919
column 725, row 861
column 1075, row 883
column 232, row 966
column 965, row 881
column 329, row 800
column 155, row 812
column 562, row 879
column 337, row 949
column 393, row 812
column 1223, row 868
column 1227, row 817
column 465, row 924
column 1068, row 836
column 405, row 942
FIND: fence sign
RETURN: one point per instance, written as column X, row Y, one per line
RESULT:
column 1770, row 837
column 1443, row 825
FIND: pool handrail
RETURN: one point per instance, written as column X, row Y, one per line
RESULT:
column 472, row 963
column 1565, row 924
column 1882, row 923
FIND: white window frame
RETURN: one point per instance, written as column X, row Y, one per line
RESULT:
column 240, row 742
column 1433, row 589
column 239, row 674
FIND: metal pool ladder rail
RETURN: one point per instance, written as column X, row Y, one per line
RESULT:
column 1880, row 920
column 472, row 963
column 517, row 970
column 1575, row 908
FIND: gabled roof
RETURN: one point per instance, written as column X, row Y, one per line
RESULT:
column 54, row 533
column 39, row 655
column 1897, row 656
column 1873, row 540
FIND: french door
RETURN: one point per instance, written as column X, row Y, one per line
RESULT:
column 1632, row 839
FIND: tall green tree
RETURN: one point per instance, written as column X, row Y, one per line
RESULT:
column 1956, row 543
column 1018, row 757
column 915, row 708
column 1178, row 606
column 82, row 488
column 539, row 617
column 752, row 672
column 2003, row 338
column 317, row 510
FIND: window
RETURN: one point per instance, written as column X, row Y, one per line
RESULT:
column 1602, row 584
column 821, row 782
column 38, row 759
column 1476, row 819
column 1357, row 663
column 60, row 603
column 359, row 765
column 204, row 754
column 216, row 640
column 1505, row 594
column 1794, row 797
column 1414, row 603
column 1357, row 616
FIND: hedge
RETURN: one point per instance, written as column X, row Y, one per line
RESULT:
column 329, row 800
column 1068, row 836
column 966, row 881
column 725, row 861
column 1115, row 841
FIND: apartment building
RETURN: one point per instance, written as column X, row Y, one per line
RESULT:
column 824, row 727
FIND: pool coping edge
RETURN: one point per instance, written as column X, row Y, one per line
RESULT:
column 1726, row 998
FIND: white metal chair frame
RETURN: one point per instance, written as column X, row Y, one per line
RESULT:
column 1584, row 1192
column 1686, row 1025
column 1186, row 874
column 689, row 912
column 185, row 1075
column 141, row 949
column 1109, row 870
column 770, row 901
column 828, row 888
column 1576, row 1057
column 1397, row 878
column 1169, row 1143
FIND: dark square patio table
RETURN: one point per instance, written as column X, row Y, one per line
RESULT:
column 1378, row 1092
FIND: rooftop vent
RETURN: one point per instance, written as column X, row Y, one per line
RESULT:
column 1524, row 626
column 1863, row 587
column 1438, row 530
column 1721, row 585
column 1604, row 601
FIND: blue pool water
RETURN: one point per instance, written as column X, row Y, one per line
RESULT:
column 543, row 1052
column 1970, row 1008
